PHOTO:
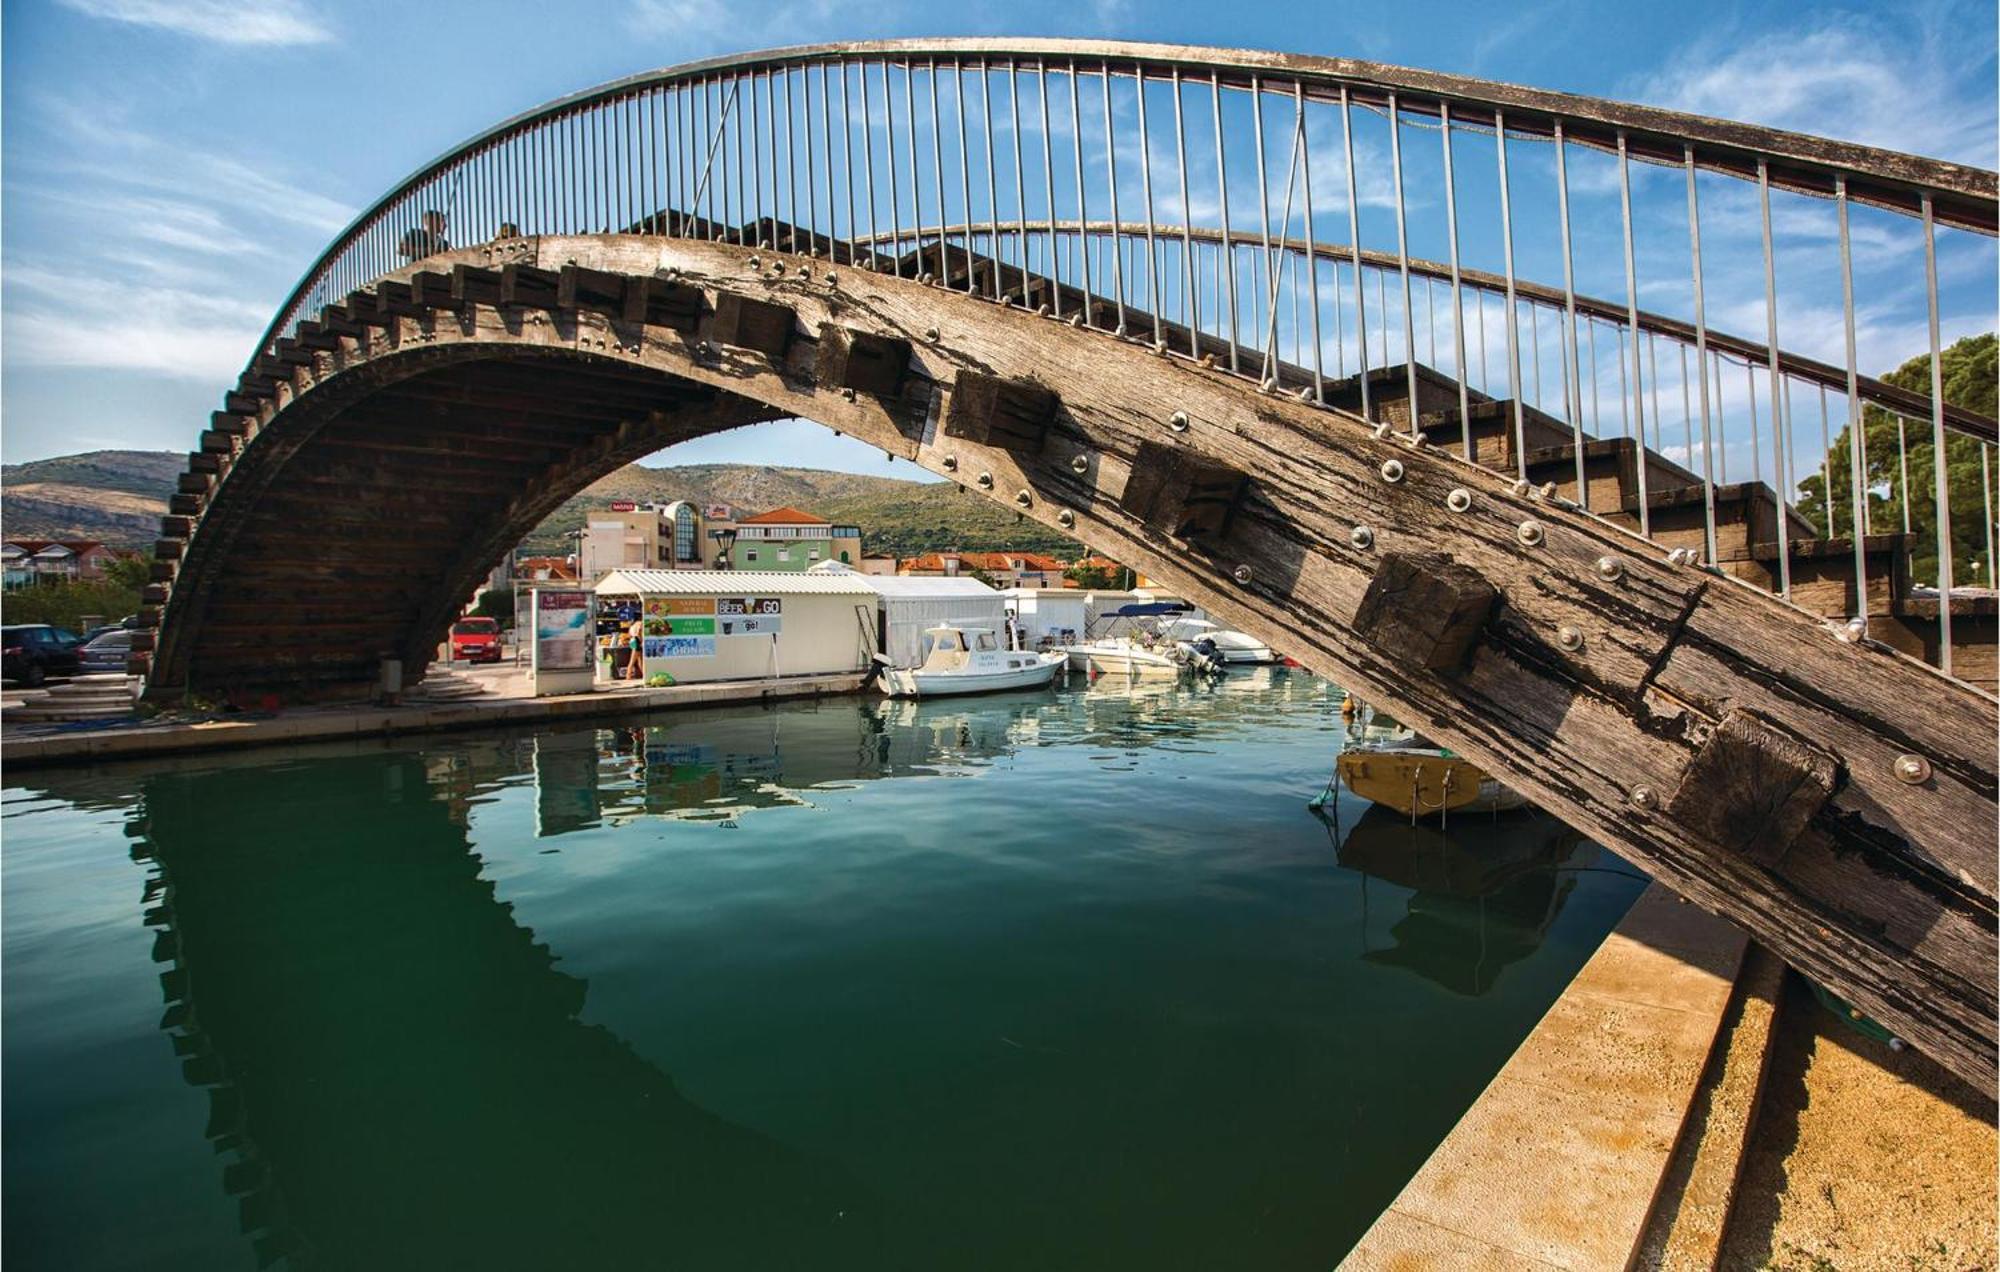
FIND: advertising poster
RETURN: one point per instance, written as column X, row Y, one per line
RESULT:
column 680, row 616
column 766, row 606
column 562, row 630
column 680, row 646
column 752, row 625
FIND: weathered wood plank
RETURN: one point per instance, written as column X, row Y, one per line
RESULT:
column 1425, row 607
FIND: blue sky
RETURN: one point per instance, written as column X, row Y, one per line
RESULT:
column 172, row 165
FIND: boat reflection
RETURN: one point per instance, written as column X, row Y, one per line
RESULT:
column 1481, row 893
column 397, row 1073
column 718, row 767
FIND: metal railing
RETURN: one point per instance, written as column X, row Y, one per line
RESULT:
column 1331, row 228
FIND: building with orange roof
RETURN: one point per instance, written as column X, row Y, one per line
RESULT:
column 790, row 540
column 1003, row 569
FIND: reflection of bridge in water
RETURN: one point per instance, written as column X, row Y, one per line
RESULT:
column 399, row 1076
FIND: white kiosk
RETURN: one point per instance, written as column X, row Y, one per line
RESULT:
column 564, row 636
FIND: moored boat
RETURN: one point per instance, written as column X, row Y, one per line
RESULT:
column 1399, row 769
column 1229, row 646
column 960, row 660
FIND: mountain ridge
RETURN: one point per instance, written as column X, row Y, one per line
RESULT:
column 118, row 496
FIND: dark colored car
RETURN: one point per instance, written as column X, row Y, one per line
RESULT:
column 476, row 639
column 107, row 651
column 31, row 653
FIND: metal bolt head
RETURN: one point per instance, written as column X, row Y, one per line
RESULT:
column 928, row 278
column 1076, row 320
column 1024, row 498
column 755, row 263
column 1179, row 422
column 1569, row 637
column 1361, row 537
column 950, row 463
column 1529, row 533
column 1643, row 798
column 1392, row 471
column 1459, row 499
column 1305, row 394
column 1079, row 464
column 1610, row 569
column 1520, row 488
column 1548, row 490
column 1914, row 770
column 1854, row 631
column 931, row 335
column 1041, row 311
column 1383, row 430
column 1242, row 574
column 1066, row 519
column 832, row 279
column 986, row 481
column 848, row 394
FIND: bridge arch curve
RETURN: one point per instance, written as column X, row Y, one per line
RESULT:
column 643, row 269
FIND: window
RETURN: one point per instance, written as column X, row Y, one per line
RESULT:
column 749, row 554
column 985, row 641
column 685, row 547
column 813, row 554
column 784, row 554
column 843, row 556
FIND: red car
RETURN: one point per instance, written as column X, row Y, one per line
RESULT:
column 476, row 640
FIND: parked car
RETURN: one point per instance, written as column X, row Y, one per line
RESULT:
column 476, row 639
column 32, row 652
column 107, row 651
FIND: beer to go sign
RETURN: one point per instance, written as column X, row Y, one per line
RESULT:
column 714, row 616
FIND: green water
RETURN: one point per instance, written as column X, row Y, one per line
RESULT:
column 1068, row 980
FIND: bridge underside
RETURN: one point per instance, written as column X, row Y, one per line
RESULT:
column 373, row 467
column 361, row 544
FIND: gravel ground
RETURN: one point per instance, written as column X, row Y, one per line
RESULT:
column 1862, row 1158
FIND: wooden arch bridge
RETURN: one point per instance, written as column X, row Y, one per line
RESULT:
column 1092, row 282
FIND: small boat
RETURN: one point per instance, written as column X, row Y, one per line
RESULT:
column 961, row 660
column 1399, row 769
column 1229, row 646
column 1126, row 657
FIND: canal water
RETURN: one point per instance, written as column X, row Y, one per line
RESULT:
column 1061, row 980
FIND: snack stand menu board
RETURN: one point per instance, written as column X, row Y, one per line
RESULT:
column 562, row 648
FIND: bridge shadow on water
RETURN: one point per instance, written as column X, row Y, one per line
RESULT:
column 399, row 1075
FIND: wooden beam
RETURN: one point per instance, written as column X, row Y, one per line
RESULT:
column 992, row 410
column 1424, row 607
column 1753, row 787
column 861, row 360
column 753, row 324
column 1182, row 495
column 530, row 287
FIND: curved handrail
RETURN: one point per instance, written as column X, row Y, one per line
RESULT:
column 1963, row 196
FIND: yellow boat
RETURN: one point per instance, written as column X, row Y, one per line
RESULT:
column 1397, row 769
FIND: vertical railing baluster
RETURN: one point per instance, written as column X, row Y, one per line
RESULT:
column 1458, row 285
column 916, row 185
column 1780, row 410
column 964, row 173
column 1312, row 253
column 1571, row 351
column 792, row 164
column 868, row 162
column 1268, row 373
column 1403, row 262
column 993, row 172
column 1146, row 192
column 1190, row 291
column 1082, row 199
column 1354, row 247
column 1641, row 460
column 1939, row 447
column 1826, row 462
column 757, row 166
column 937, row 178
column 1701, row 356
column 889, row 154
column 1228, row 255
column 1513, row 317
column 1111, row 173
column 1857, row 427
column 1049, row 177
column 1020, row 173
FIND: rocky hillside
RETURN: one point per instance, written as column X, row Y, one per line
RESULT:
column 118, row 496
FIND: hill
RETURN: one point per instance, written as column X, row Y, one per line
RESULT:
column 118, row 497
column 114, row 496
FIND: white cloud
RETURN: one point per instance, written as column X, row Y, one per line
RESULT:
column 57, row 318
column 265, row 22
column 1909, row 80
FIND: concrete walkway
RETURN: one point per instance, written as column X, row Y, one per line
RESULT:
column 26, row 745
column 1558, row 1163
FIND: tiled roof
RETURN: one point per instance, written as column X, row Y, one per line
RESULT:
column 783, row 517
column 730, row 583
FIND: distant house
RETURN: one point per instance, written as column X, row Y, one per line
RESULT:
column 545, row 569
column 1005, row 569
column 788, row 540
column 29, row 561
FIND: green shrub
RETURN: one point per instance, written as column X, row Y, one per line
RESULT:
column 65, row 604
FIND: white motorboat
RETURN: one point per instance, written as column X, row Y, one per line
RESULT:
column 1230, row 646
column 1127, row 658
column 969, row 660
